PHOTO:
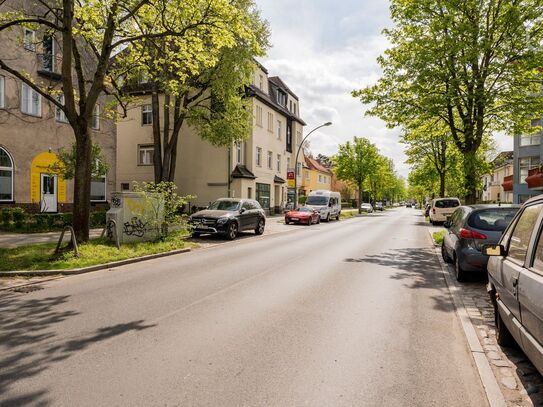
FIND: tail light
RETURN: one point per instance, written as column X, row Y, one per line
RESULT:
column 434, row 211
column 471, row 234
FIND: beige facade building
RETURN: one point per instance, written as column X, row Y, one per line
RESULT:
column 496, row 186
column 255, row 168
column 32, row 130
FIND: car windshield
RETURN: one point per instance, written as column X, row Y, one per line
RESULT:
column 317, row 200
column 224, row 205
column 446, row 203
column 303, row 209
column 492, row 219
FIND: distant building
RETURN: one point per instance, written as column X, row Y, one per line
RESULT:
column 527, row 174
column 498, row 185
column 315, row 176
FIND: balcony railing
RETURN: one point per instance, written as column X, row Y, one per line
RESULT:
column 49, row 66
column 507, row 184
column 535, row 178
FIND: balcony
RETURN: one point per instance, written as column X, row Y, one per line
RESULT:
column 535, row 178
column 508, row 183
column 49, row 66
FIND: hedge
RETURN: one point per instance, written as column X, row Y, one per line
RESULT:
column 16, row 219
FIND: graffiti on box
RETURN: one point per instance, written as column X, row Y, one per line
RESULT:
column 135, row 227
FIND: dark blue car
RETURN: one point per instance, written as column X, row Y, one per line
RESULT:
column 468, row 229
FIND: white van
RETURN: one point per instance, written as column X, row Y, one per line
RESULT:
column 328, row 203
column 442, row 208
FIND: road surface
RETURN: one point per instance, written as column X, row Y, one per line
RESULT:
column 351, row 313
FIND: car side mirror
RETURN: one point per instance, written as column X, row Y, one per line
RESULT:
column 493, row 250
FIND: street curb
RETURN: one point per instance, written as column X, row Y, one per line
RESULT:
column 493, row 392
column 69, row 272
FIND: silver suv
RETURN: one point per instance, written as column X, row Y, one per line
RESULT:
column 515, row 274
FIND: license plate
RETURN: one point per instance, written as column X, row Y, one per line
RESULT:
column 294, row 219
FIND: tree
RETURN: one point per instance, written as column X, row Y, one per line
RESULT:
column 355, row 162
column 208, row 93
column 88, row 34
column 473, row 65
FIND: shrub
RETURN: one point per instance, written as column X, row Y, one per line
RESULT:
column 19, row 217
column 7, row 216
column 97, row 219
column 302, row 200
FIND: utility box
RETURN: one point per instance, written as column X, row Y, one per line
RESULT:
column 138, row 216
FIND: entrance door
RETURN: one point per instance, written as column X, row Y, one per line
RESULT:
column 49, row 198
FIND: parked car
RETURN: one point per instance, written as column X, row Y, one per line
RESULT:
column 442, row 208
column 366, row 207
column 408, row 205
column 327, row 203
column 228, row 217
column 515, row 274
column 468, row 229
column 379, row 206
column 303, row 215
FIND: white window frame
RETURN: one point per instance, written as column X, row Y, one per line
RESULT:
column 532, row 162
column 149, row 151
column 270, row 122
column 2, row 91
column 532, row 140
column 145, row 110
column 60, row 116
column 29, row 46
column 29, row 102
column 238, row 152
column 12, row 170
column 270, row 160
column 279, row 129
column 96, row 117
column 105, row 189
column 258, row 117
column 259, row 157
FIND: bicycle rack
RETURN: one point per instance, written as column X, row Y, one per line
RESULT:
column 73, row 239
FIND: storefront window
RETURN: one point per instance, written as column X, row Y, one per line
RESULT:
column 263, row 195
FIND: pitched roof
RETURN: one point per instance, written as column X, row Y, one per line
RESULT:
column 241, row 171
column 315, row 165
column 279, row 82
column 502, row 158
column 265, row 98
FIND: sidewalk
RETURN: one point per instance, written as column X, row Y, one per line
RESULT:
column 12, row 240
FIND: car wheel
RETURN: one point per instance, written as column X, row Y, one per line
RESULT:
column 503, row 336
column 444, row 254
column 337, row 216
column 309, row 222
column 195, row 234
column 232, row 231
column 460, row 274
column 260, row 227
column 327, row 218
column 318, row 220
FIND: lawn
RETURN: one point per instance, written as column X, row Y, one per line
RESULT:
column 99, row 251
column 349, row 213
column 438, row 237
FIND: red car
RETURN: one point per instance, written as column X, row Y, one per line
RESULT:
column 303, row 215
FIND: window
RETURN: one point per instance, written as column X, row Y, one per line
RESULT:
column 30, row 101
column 125, row 186
column 263, row 195
column 525, row 165
column 96, row 117
column 279, row 130
column 259, row 116
column 320, row 178
column 270, row 122
column 278, row 162
column 307, row 175
column 2, row 91
column 238, row 152
column 98, row 189
column 146, row 114
column 288, row 163
column 290, row 106
column 48, row 62
column 270, row 159
column 259, row 156
column 29, row 40
column 533, row 140
column 538, row 261
column 260, row 82
column 143, row 78
column 59, row 113
column 298, row 137
column 145, row 154
column 520, row 238
column 281, row 98
column 6, row 176
column 250, row 193
column 295, row 109
column 298, row 169
column 289, row 136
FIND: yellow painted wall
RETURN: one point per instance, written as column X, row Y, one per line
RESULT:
column 40, row 165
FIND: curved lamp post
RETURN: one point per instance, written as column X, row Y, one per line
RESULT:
column 296, row 162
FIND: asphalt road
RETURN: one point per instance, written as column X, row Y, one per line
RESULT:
column 351, row 313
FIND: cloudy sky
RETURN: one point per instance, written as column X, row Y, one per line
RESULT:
column 323, row 49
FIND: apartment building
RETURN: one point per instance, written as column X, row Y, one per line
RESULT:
column 315, row 176
column 32, row 130
column 527, row 177
column 498, row 185
column 255, row 168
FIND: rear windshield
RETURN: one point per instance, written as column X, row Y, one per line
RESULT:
column 492, row 219
column 446, row 203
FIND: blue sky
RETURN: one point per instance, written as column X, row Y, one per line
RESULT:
column 323, row 49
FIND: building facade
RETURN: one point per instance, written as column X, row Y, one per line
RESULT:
column 255, row 168
column 315, row 176
column 527, row 175
column 32, row 130
column 496, row 185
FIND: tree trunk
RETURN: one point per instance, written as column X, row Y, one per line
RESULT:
column 82, row 185
column 157, row 152
column 442, row 184
column 470, row 176
column 360, row 197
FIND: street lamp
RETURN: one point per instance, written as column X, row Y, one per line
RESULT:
column 296, row 161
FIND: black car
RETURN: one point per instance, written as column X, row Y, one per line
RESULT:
column 468, row 229
column 228, row 217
